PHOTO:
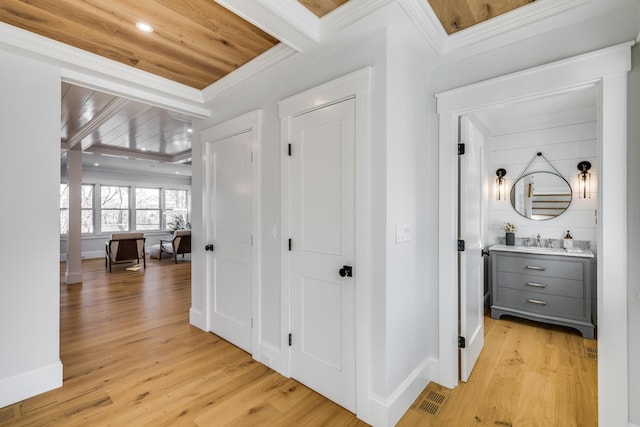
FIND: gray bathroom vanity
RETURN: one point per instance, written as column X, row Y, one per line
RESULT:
column 551, row 285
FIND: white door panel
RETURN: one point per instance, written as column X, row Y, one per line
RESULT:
column 471, row 261
column 322, row 231
column 230, row 186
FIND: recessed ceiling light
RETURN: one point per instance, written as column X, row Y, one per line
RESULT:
column 177, row 173
column 190, row 130
column 143, row 149
column 96, row 164
column 144, row 27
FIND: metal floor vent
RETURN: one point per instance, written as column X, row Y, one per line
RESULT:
column 591, row 353
column 432, row 403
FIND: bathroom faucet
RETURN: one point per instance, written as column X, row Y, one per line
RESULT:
column 527, row 241
column 549, row 243
column 538, row 241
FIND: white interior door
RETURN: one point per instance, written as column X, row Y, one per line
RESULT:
column 229, row 181
column 322, row 232
column 471, row 261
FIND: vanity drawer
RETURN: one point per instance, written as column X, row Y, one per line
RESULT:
column 541, row 266
column 541, row 284
column 533, row 302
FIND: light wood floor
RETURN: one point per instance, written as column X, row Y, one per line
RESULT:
column 131, row 359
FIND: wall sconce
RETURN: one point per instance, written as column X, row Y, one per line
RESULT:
column 584, row 180
column 501, row 191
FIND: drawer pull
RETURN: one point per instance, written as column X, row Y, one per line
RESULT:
column 535, row 267
column 536, row 285
column 537, row 301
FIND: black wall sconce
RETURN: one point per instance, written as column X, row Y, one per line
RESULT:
column 501, row 191
column 584, row 180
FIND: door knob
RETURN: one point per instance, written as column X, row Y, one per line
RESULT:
column 209, row 247
column 346, row 271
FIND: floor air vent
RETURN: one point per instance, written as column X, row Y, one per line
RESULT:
column 432, row 402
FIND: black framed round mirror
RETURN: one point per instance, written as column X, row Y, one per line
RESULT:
column 541, row 195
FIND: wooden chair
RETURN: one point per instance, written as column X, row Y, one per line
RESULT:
column 180, row 244
column 125, row 247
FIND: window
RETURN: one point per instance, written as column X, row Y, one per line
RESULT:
column 114, row 204
column 175, row 205
column 147, row 209
column 86, row 205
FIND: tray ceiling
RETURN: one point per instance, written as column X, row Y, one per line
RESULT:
column 194, row 42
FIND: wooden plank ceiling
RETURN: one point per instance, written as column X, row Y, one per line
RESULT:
column 194, row 42
column 456, row 15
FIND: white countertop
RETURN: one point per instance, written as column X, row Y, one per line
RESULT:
column 575, row 252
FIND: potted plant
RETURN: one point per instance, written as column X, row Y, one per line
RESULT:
column 509, row 229
column 178, row 223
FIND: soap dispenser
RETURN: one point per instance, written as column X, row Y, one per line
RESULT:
column 568, row 240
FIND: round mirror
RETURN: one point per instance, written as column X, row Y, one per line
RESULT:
column 541, row 195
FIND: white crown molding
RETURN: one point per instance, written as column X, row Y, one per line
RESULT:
column 91, row 70
column 276, row 54
column 515, row 19
column 286, row 20
column 426, row 22
column 349, row 13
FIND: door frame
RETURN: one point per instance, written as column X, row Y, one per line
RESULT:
column 356, row 85
column 250, row 122
column 607, row 70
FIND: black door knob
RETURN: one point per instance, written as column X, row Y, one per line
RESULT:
column 209, row 247
column 346, row 271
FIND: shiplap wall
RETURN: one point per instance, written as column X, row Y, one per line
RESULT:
column 565, row 139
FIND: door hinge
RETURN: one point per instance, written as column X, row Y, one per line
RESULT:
column 252, row 157
column 460, row 245
column 462, row 343
column 289, row 244
column 484, row 253
column 460, row 149
column 252, row 240
column 290, row 340
column 252, row 323
column 289, row 149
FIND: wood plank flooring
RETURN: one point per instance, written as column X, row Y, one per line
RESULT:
column 131, row 359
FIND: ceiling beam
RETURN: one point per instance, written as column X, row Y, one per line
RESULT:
column 120, row 152
column 112, row 108
column 287, row 20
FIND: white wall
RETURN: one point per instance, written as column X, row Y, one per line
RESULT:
column 564, row 139
column 403, row 280
column 617, row 27
column 30, row 170
column 633, row 248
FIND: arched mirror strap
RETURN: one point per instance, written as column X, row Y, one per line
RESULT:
column 538, row 154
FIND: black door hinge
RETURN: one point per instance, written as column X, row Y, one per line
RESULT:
column 462, row 343
column 460, row 149
column 289, row 149
column 289, row 244
column 290, row 340
column 484, row 253
column 460, row 245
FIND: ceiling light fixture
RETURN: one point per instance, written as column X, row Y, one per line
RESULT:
column 96, row 164
column 189, row 130
column 144, row 27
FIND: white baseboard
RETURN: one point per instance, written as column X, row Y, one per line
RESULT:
column 27, row 384
column 85, row 255
column 269, row 355
column 387, row 412
column 196, row 318
column 633, row 424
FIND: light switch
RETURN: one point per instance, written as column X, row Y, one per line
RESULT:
column 272, row 232
column 403, row 233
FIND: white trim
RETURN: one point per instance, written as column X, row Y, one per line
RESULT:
column 349, row 13
column 358, row 85
column 30, row 383
column 87, row 69
column 250, row 122
column 257, row 65
column 550, row 79
column 197, row 318
column 387, row 412
column 287, row 21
